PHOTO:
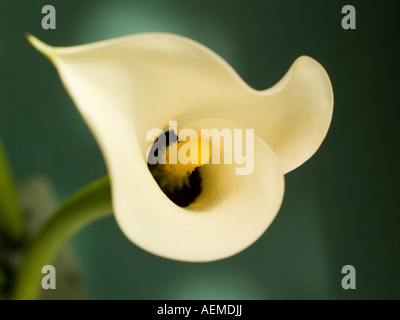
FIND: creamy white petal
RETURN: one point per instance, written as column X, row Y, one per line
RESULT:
column 294, row 116
column 230, row 214
column 127, row 86
column 180, row 79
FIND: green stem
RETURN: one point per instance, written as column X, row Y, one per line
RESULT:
column 12, row 221
column 87, row 205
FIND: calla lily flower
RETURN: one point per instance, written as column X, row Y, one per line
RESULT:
column 127, row 86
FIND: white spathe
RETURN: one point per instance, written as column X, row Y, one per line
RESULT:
column 126, row 86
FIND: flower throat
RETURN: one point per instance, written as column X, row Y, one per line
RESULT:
column 180, row 182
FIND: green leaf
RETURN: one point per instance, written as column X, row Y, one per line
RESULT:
column 12, row 222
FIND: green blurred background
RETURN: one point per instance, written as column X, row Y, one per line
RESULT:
column 340, row 208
